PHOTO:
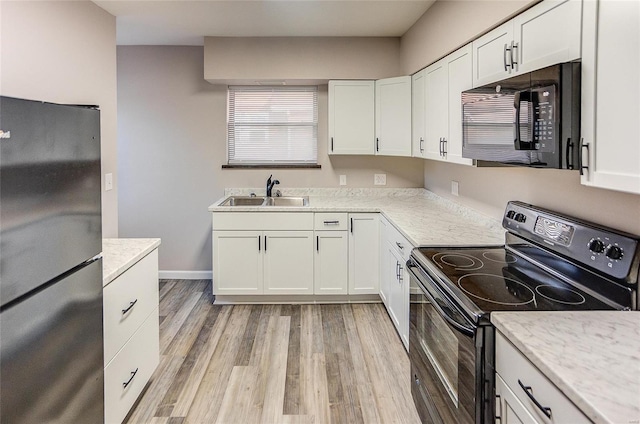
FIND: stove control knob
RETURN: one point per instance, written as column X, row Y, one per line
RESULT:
column 511, row 214
column 615, row 253
column 520, row 217
column 596, row 246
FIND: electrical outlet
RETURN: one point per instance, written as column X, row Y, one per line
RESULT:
column 343, row 180
column 108, row 182
column 454, row 188
column 379, row 179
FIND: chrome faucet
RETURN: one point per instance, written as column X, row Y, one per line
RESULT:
column 270, row 185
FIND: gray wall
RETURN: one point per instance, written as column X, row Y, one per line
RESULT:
column 65, row 52
column 450, row 24
column 172, row 145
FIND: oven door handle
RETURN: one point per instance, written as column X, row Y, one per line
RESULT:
column 466, row 330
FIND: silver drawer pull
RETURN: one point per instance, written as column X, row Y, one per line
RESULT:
column 131, row 305
column 527, row 389
column 331, row 222
column 400, row 246
column 133, row 374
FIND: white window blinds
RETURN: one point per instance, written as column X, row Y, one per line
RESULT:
column 272, row 125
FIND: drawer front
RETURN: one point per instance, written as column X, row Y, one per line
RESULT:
column 399, row 242
column 141, row 356
column 263, row 221
column 515, row 368
column 128, row 300
column 330, row 221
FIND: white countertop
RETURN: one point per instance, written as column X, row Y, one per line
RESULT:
column 120, row 254
column 423, row 217
column 593, row 357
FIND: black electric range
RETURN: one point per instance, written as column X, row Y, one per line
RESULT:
column 549, row 262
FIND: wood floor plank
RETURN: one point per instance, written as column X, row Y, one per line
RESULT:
column 236, row 404
column 190, row 328
column 277, row 373
column 206, row 403
column 170, row 328
column 183, row 376
column 244, row 354
column 215, row 328
column 292, row 385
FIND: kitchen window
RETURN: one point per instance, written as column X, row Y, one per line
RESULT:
column 272, row 126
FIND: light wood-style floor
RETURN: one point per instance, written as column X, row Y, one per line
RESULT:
column 274, row 363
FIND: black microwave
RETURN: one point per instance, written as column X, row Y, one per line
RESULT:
column 529, row 120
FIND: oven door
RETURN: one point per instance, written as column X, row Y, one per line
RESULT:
column 443, row 353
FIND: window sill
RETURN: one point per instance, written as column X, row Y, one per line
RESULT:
column 274, row 166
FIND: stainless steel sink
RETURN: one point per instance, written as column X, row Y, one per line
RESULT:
column 287, row 201
column 243, row 201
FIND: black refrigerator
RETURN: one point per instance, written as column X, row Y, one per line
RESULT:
column 51, row 340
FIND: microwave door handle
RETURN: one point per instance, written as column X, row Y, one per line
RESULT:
column 516, row 105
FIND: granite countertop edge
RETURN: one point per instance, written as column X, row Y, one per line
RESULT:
column 120, row 254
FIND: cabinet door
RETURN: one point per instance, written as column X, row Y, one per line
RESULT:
column 491, row 55
column 610, row 84
column 331, row 263
column 393, row 116
column 547, row 34
column 364, row 253
column 237, row 262
column 436, row 106
column 509, row 410
column 288, row 262
column 351, row 117
column 418, row 114
column 459, row 71
column 395, row 308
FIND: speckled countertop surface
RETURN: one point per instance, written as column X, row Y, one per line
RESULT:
column 423, row 217
column 593, row 357
column 120, row 254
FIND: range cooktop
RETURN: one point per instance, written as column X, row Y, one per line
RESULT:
column 495, row 279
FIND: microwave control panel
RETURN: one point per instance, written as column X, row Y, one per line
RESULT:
column 544, row 122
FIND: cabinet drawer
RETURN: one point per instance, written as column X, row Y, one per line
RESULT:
column 330, row 221
column 515, row 368
column 128, row 300
column 399, row 242
column 141, row 356
column 263, row 221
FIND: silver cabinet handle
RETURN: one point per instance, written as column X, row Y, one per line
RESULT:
column 514, row 55
column 400, row 246
column 421, row 144
column 444, row 146
column 527, row 389
column 128, row 308
column 400, row 269
column 133, row 374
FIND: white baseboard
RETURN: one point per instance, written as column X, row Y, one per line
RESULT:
column 185, row 275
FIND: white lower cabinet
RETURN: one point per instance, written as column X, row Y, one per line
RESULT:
column 525, row 395
column 331, row 263
column 364, row 253
column 131, row 335
column 394, row 277
column 262, row 253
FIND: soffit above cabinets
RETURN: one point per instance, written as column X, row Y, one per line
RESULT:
column 186, row 22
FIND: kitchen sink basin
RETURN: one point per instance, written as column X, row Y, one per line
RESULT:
column 243, row 201
column 287, row 201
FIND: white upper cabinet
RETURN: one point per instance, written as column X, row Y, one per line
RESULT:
column 546, row 34
column 393, row 116
column 445, row 81
column 351, row 117
column 610, row 87
column 418, row 114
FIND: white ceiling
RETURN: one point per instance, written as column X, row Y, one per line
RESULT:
column 186, row 22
